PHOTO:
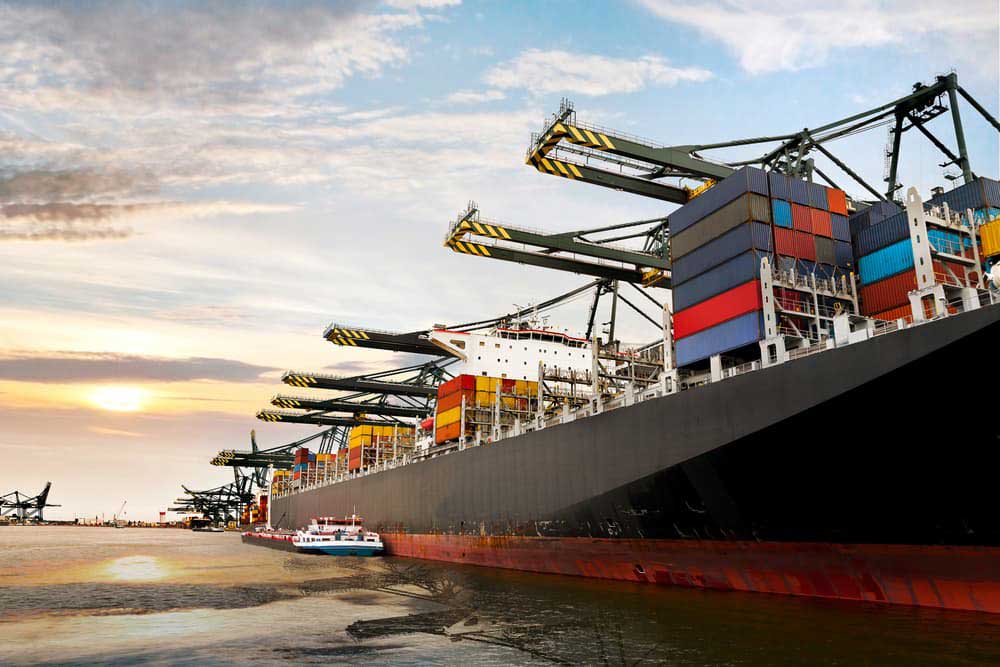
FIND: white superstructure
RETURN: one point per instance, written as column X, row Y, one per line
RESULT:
column 514, row 353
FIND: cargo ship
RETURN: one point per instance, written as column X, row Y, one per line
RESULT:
column 810, row 421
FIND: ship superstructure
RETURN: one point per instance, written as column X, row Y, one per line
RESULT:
column 727, row 451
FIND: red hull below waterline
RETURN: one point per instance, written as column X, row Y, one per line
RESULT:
column 963, row 578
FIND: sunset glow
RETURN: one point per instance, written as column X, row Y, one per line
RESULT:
column 118, row 398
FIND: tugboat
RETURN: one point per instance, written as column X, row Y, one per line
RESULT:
column 338, row 537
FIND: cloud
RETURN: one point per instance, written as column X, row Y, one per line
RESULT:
column 422, row 4
column 475, row 96
column 68, row 221
column 136, row 57
column 562, row 71
column 49, row 185
column 72, row 367
column 103, row 430
column 769, row 35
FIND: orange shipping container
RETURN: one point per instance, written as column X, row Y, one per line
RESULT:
column 836, row 201
column 455, row 399
column 446, row 433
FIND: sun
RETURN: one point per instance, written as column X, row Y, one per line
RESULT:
column 118, row 398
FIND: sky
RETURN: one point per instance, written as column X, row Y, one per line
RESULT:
column 191, row 192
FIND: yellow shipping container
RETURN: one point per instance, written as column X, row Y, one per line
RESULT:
column 486, row 384
column 449, row 416
column 990, row 235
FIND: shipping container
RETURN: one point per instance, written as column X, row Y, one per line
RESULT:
column 720, row 308
column 799, row 191
column 891, row 230
column 897, row 313
column 888, row 293
column 821, row 225
column 818, row 196
column 735, row 333
column 448, row 433
column 780, row 189
column 805, row 267
column 748, row 236
column 727, row 275
column 871, row 215
column 455, row 398
column 747, row 179
column 982, row 193
column 824, row 251
column 781, row 213
column 456, row 384
column 885, row 262
column 836, row 202
column 989, row 234
column 449, row 416
column 801, row 218
column 784, row 241
column 840, row 228
column 843, row 254
column 743, row 209
column 805, row 248
column 786, row 263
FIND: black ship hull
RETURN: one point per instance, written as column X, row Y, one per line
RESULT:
column 885, row 444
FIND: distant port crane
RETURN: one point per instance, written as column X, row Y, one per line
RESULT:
column 23, row 507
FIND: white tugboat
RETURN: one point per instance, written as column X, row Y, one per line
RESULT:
column 325, row 535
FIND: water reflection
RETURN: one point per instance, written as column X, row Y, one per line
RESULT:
column 136, row 568
column 166, row 597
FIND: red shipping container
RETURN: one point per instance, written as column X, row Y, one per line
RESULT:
column 888, row 293
column 788, row 299
column 805, row 247
column 821, row 223
column 801, row 218
column 899, row 312
column 455, row 399
column 836, row 201
column 456, row 383
column 720, row 308
column 784, row 241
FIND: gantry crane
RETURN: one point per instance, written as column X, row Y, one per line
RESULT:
column 24, row 507
column 575, row 150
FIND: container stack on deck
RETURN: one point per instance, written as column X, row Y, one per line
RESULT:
column 885, row 252
column 718, row 239
column 369, row 445
column 478, row 395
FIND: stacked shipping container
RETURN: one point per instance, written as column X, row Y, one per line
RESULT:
column 718, row 239
column 885, row 263
column 368, row 445
column 479, row 394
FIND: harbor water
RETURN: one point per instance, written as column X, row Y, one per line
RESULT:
column 100, row 596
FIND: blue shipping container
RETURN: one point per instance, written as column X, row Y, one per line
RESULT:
column 980, row 193
column 943, row 240
column 805, row 267
column 882, row 234
column 844, row 254
column 817, row 196
column 871, row 215
column 780, row 188
column 747, row 179
column 744, row 237
column 736, row 271
column 781, row 213
column 886, row 262
column 800, row 191
column 841, row 230
column 724, row 337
